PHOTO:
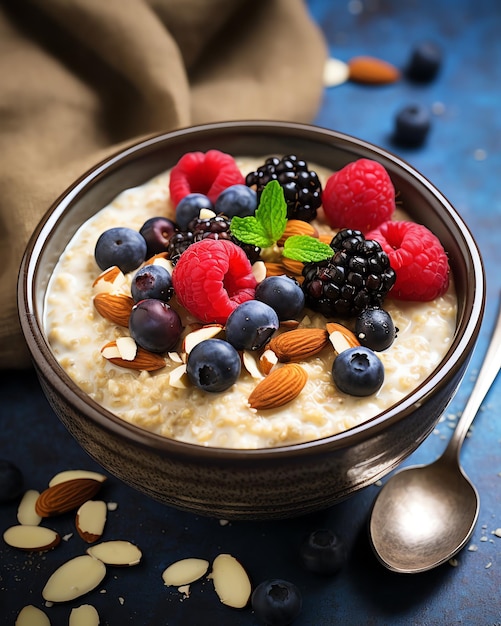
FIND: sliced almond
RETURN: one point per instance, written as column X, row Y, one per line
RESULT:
column 206, row 214
column 250, row 361
column 259, row 271
column 74, row 578
column 194, row 337
column 279, row 387
column 84, row 615
column 127, row 348
column 31, row 616
column 297, row 227
column 267, row 361
column 341, row 337
column 184, row 572
column 115, row 307
column 26, row 513
column 66, row 496
column 178, row 377
column 144, row 360
column 31, row 538
column 299, row 344
column 175, row 357
column 289, row 324
column 231, row 581
column 109, row 281
column 91, row 519
column 119, row 553
column 65, row 475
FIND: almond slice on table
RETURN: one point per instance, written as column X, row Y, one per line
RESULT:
column 118, row 552
column 299, row 344
column 31, row 538
column 115, row 307
column 30, row 615
column 84, row 615
column 66, row 496
column 110, row 280
column 231, row 581
column 143, row 360
column 71, row 474
column 279, row 387
column 341, row 338
column 26, row 512
column 74, row 578
column 184, row 572
column 91, row 519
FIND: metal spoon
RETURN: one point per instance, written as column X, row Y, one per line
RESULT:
column 425, row 514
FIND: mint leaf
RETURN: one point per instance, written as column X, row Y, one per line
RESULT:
column 268, row 223
column 306, row 249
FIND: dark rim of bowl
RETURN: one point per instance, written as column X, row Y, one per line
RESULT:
column 44, row 360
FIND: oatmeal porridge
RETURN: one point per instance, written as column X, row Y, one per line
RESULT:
column 169, row 405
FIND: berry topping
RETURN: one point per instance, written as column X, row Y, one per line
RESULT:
column 357, row 276
column 211, row 278
column 152, row 281
column 323, row 552
column 189, row 208
column 11, row 481
column 250, row 325
column 360, row 195
column 418, row 258
column 358, row 371
column 237, row 200
column 157, row 232
column 276, row 602
column 155, row 326
column 283, row 294
column 302, row 187
column 206, row 173
column 412, row 124
column 120, row 246
column 374, row 329
column 213, row 365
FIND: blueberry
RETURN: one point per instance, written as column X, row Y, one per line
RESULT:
column 412, row 124
column 374, row 329
column 157, row 232
column 323, row 552
column 283, row 294
column 424, row 62
column 236, row 200
column 250, row 325
column 189, row 207
column 213, row 365
column 120, row 246
column 11, row 481
column 152, row 281
column 276, row 602
column 155, row 326
column 358, row 371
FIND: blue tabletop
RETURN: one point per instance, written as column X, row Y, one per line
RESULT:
column 462, row 157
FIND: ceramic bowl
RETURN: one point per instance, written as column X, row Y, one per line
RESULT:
column 264, row 483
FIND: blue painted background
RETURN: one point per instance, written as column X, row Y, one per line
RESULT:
column 462, row 157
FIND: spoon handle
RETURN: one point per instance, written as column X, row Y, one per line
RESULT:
column 486, row 376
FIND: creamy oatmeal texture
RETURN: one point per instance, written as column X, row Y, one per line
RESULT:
column 77, row 332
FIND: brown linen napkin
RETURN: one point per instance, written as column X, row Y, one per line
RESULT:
column 80, row 78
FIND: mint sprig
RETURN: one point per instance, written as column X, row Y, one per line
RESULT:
column 267, row 225
column 306, row 249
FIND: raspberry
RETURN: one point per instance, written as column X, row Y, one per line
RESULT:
column 211, row 278
column 418, row 258
column 359, row 196
column 207, row 173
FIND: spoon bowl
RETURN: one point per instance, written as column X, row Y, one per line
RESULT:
column 425, row 514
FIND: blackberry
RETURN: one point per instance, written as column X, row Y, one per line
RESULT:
column 217, row 227
column 357, row 276
column 302, row 187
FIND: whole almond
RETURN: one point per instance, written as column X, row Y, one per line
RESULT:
column 297, row 227
column 299, row 344
column 143, row 361
column 371, row 70
column 66, row 496
column 279, row 387
column 115, row 308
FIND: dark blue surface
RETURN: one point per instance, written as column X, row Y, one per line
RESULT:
column 462, row 157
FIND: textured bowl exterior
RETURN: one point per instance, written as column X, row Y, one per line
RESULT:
column 249, row 484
